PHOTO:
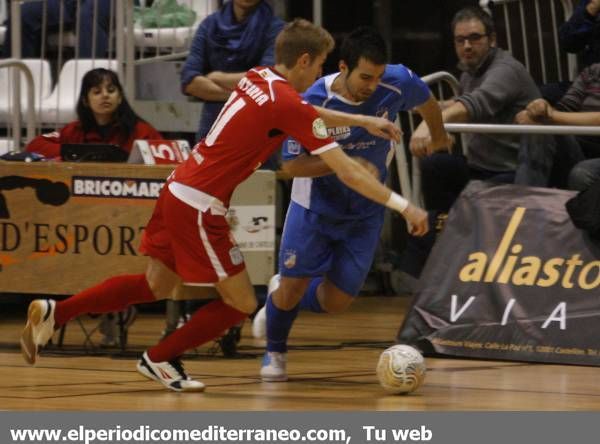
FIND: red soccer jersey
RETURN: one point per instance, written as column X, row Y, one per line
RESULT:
column 263, row 110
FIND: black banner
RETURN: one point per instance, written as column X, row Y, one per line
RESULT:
column 510, row 277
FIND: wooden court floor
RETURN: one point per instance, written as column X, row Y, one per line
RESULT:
column 331, row 367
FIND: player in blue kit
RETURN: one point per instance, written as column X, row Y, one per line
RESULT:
column 331, row 232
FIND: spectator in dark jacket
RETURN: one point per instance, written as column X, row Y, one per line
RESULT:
column 493, row 88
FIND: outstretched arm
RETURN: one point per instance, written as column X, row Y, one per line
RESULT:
column 439, row 139
column 377, row 126
column 421, row 137
column 358, row 178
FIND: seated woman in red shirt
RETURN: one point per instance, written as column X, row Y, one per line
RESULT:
column 104, row 114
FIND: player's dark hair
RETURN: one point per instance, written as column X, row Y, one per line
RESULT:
column 364, row 42
column 124, row 116
column 474, row 13
column 301, row 37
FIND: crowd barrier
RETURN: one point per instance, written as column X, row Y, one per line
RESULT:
column 66, row 226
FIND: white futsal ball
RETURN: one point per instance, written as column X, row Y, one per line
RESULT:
column 401, row 369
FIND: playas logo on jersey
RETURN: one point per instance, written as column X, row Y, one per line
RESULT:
column 339, row 132
column 319, row 129
column 289, row 258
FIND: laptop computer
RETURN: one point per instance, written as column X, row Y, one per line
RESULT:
column 92, row 152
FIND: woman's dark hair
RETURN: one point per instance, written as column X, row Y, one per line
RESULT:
column 125, row 117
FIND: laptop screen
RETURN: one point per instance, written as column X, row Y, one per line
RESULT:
column 92, row 152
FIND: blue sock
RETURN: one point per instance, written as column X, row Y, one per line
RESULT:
column 310, row 301
column 279, row 324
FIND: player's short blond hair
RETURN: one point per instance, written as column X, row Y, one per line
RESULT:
column 301, row 37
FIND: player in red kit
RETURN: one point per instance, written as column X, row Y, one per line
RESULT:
column 188, row 239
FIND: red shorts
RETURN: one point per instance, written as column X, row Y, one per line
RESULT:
column 197, row 245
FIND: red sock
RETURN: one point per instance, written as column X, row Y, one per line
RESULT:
column 209, row 322
column 114, row 294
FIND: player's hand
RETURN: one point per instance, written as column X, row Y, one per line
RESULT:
column 444, row 144
column 418, row 223
column 420, row 141
column 371, row 168
column 382, row 127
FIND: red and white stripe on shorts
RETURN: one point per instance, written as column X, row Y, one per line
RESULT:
column 197, row 245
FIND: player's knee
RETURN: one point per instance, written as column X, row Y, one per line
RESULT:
column 289, row 293
column 246, row 304
column 285, row 303
column 333, row 299
column 336, row 305
column 160, row 290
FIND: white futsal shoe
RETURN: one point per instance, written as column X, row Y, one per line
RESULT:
column 274, row 367
column 169, row 373
column 39, row 328
column 259, row 323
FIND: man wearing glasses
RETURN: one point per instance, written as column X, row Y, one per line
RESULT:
column 494, row 87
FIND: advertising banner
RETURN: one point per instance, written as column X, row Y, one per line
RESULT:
column 67, row 226
column 509, row 277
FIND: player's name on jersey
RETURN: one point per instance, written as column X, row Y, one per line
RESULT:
column 253, row 91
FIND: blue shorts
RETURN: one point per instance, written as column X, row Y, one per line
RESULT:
column 313, row 245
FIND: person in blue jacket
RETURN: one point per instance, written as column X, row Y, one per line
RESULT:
column 228, row 43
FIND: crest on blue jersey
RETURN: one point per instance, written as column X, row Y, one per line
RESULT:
column 293, row 147
column 289, row 258
column 381, row 111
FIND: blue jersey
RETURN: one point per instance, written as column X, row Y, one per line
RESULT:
column 399, row 90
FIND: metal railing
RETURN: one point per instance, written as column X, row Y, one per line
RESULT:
column 542, row 58
column 482, row 128
column 411, row 182
column 20, row 67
